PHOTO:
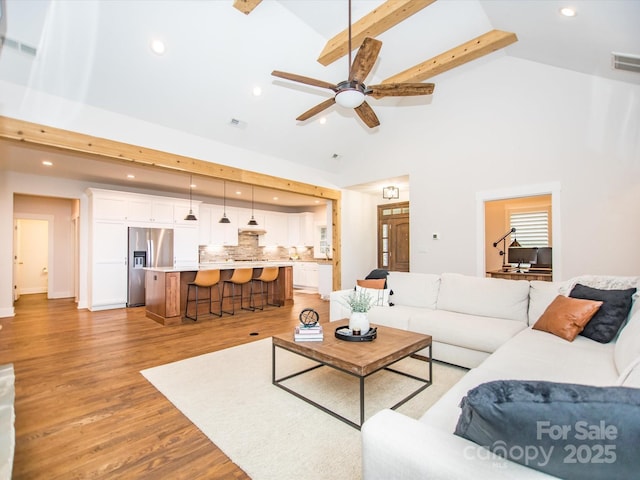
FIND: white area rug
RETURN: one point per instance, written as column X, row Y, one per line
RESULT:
column 272, row 434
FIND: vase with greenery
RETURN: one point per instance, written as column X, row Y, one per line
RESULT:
column 359, row 302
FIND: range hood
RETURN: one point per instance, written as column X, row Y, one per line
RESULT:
column 252, row 231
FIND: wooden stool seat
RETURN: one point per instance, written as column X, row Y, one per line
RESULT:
column 204, row 279
column 268, row 276
column 240, row 276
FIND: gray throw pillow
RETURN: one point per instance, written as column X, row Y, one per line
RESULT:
column 570, row 431
column 604, row 325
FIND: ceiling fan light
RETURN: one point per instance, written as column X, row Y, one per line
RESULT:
column 350, row 98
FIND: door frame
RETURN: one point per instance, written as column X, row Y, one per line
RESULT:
column 551, row 188
column 379, row 209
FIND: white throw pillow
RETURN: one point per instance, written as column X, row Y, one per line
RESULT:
column 380, row 296
column 627, row 348
column 541, row 294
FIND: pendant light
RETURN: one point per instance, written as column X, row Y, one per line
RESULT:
column 224, row 218
column 190, row 216
column 252, row 222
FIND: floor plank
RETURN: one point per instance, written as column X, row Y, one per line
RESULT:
column 83, row 410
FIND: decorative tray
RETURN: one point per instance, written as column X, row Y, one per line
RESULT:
column 343, row 333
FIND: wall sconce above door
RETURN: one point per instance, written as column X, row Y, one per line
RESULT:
column 390, row 193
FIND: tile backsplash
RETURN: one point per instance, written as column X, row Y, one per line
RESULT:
column 248, row 249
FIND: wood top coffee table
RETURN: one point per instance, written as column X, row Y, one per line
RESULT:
column 359, row 359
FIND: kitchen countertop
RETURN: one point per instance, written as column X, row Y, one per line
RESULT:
column 221, row 266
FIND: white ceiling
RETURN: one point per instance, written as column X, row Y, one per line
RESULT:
column 97, row 53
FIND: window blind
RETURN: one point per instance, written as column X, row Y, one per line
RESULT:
column 532, row 228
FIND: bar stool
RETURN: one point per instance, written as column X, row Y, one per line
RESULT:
column 268, row 276
column 204, row 279
column 241, row 276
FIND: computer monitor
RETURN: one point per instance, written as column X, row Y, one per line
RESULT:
column 544, row 259
column 523, row 255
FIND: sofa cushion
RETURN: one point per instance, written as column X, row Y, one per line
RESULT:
column 613, row 312
column 414, row 289
column 536, row 355
column 486, row 297
column 627, row 347
column 395, row 317
column 566, row 317
column 541, row 294
column 568, row 430
column 485, row 334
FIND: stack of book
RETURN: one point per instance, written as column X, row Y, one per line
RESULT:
column 304, row 333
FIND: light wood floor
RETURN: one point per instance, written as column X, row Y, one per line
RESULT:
column 83, row 410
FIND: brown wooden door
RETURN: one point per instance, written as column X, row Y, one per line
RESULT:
column 393, row 236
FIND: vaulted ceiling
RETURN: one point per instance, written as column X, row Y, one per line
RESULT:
column 98, row 53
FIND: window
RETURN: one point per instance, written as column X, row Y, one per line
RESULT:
column 532, row 228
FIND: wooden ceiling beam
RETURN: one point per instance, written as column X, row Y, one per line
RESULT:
column 471, row 50
column 373, row 24
column 12, row 129
column 246, row 6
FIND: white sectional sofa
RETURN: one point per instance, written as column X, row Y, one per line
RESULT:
column 484, row 324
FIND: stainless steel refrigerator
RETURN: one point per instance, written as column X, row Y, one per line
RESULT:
column 148, row 247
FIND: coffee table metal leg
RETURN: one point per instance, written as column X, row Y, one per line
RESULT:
column 361, row 400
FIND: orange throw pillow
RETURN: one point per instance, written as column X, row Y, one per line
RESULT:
column 376, row 283
column 566, row 317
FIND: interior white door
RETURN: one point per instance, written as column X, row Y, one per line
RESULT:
column 32, row 256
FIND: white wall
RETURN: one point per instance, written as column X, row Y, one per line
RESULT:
column 359, row 236
column 511, row 124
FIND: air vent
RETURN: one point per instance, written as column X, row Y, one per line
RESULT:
column 238, row 123
column 19, row 46
column 626, row 61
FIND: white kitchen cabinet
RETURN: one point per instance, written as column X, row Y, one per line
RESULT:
column 305, row 274
column 185, row 246
column 109, row 265
column 277, row 227
column 325, row 280
column 204, row 225
column 108, row 207
column 181, row 209
column 300, row 229
column 307, row 224
column 149, row 210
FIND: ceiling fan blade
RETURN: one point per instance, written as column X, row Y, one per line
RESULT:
column 317, row 109
column 365, row 59
column 400, row 89
column 305, row 80
column 368, row 116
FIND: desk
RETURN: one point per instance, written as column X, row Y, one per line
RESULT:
column 544, row 277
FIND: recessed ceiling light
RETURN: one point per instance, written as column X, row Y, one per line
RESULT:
column 131, row 176
column 257, row 91
column 47, row 163
column 158, row 47
column 276, row 198
column 238, row 192
column 317, row 201
column 568, row 11
column 323, row 120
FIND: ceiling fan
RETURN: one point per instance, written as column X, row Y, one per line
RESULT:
column 351, row 93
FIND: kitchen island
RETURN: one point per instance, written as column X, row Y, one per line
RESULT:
column 166, row 287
